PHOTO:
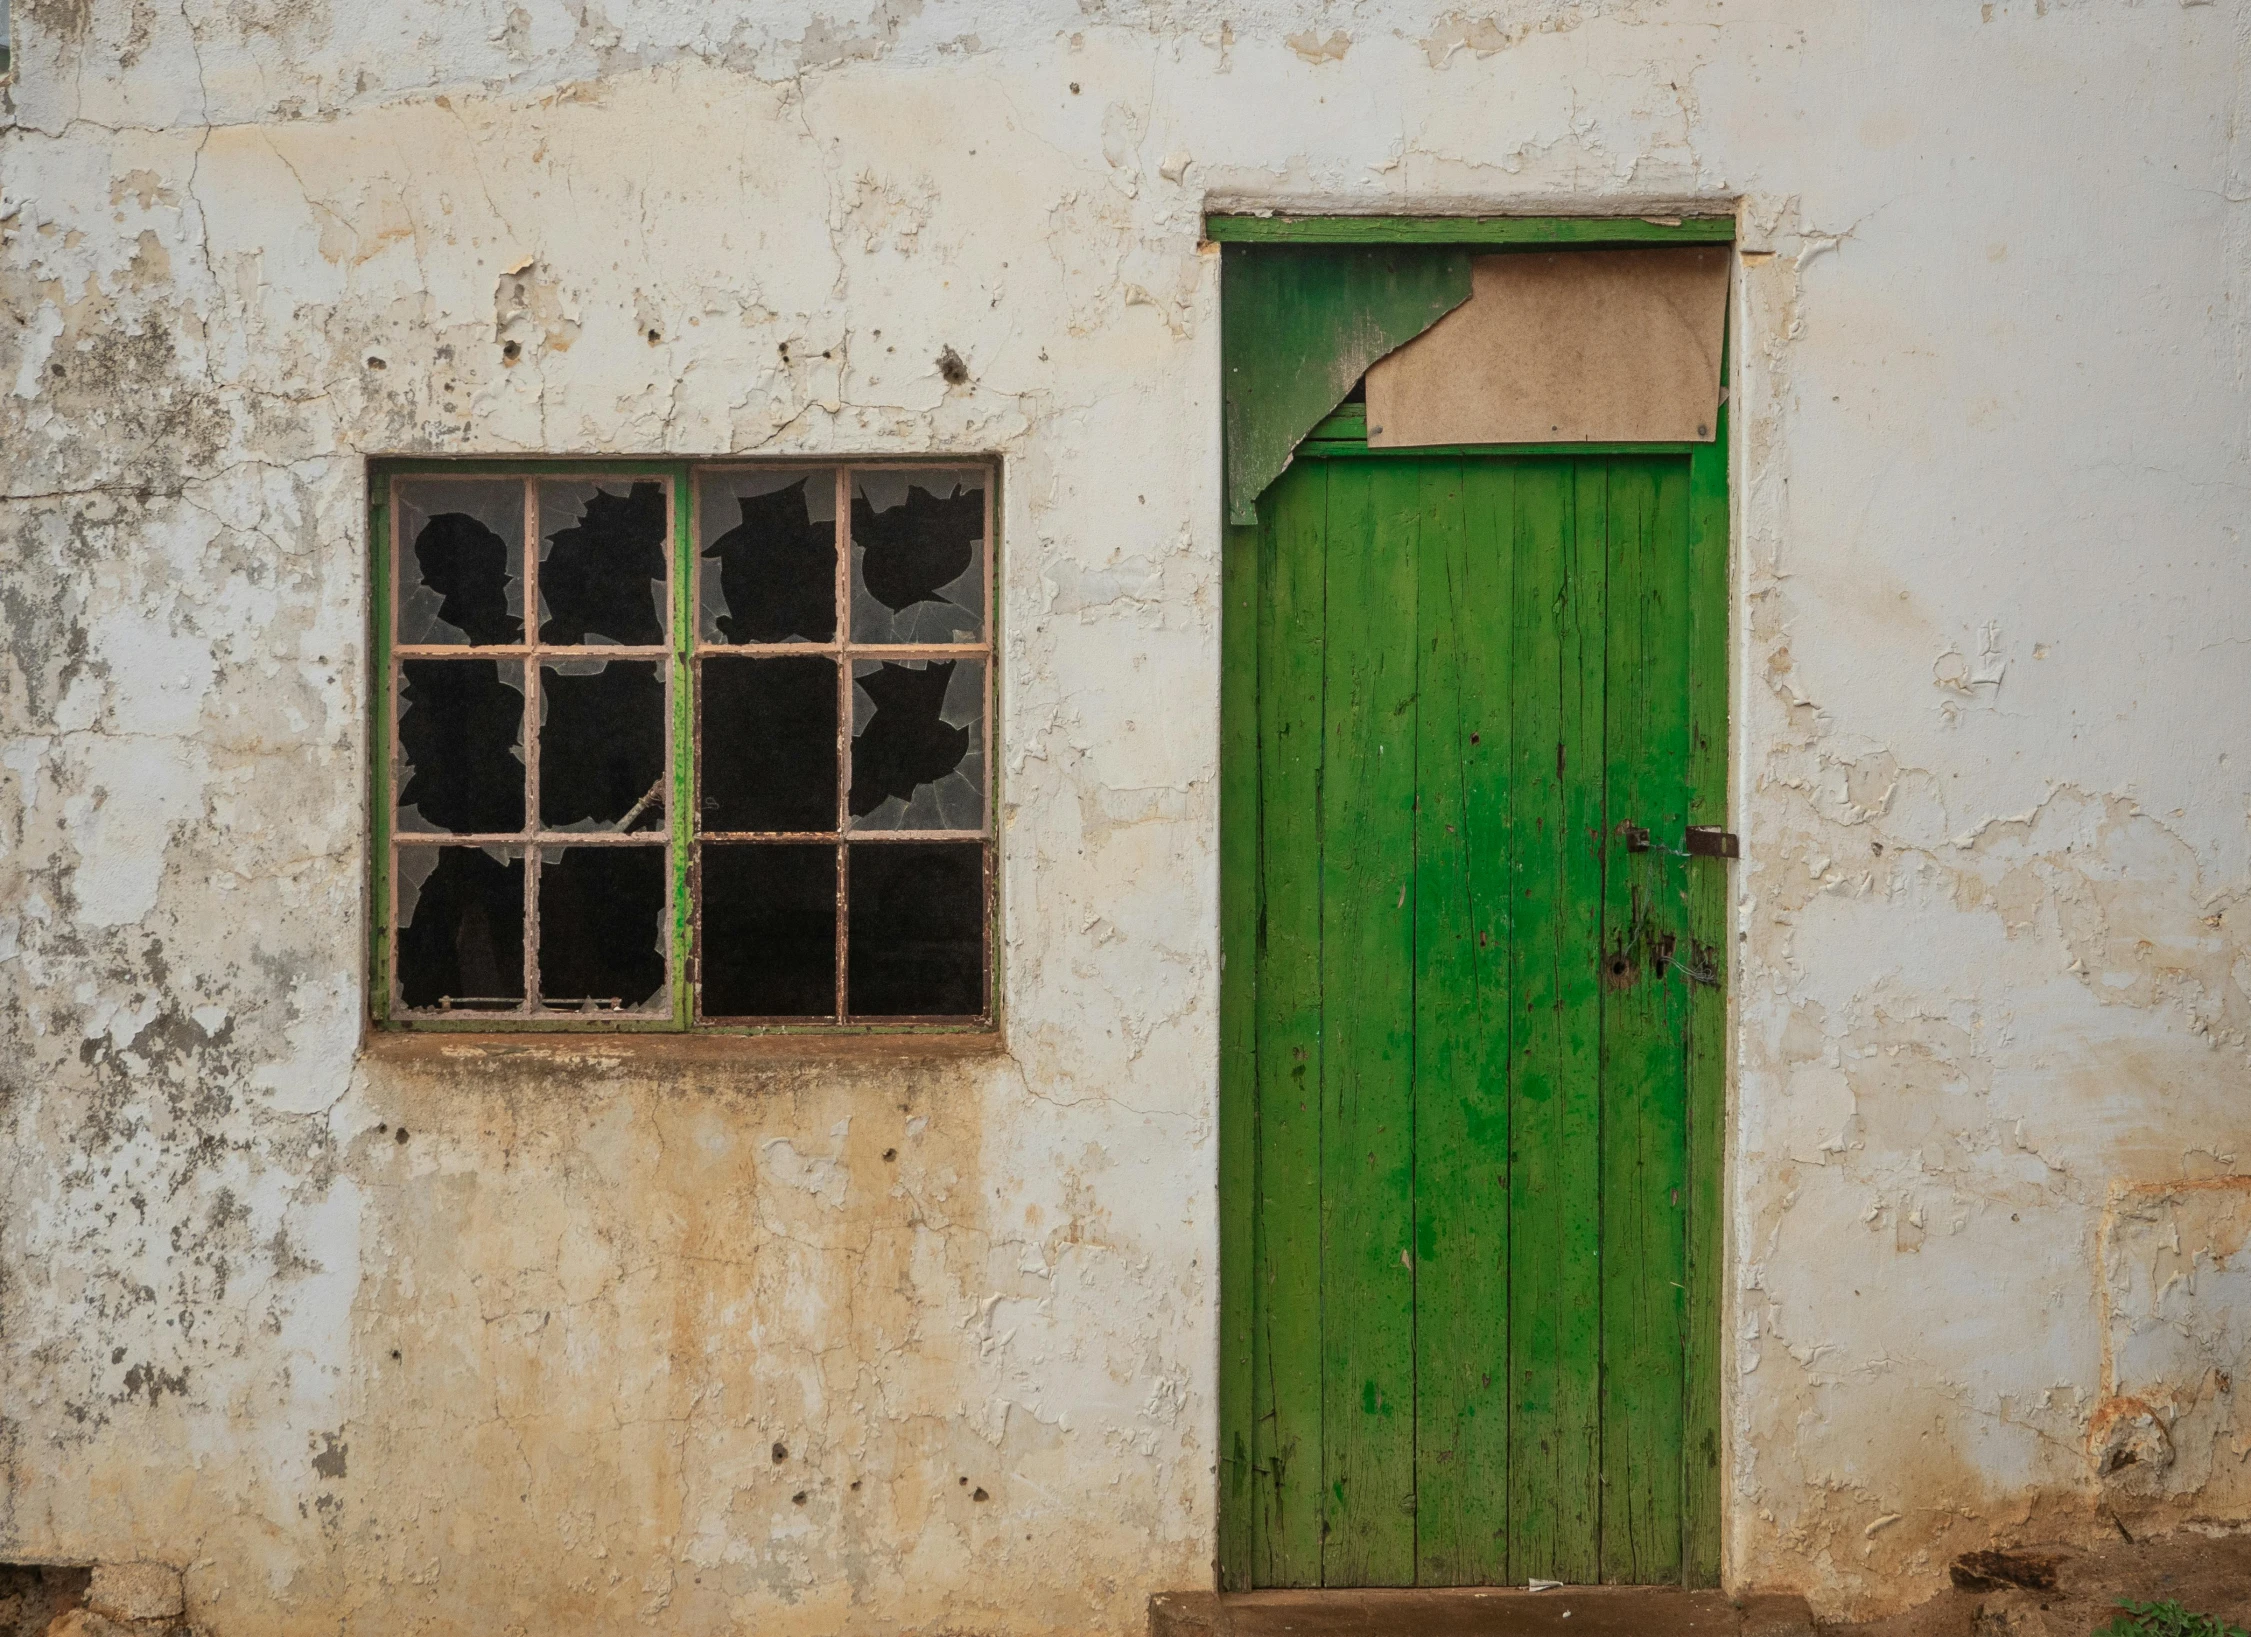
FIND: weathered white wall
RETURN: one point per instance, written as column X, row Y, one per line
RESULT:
column 387, row 1339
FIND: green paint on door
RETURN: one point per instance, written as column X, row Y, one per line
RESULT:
column 1301, row 323
column 1470, row 1021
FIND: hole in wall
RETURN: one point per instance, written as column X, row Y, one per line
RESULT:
column 34, row 1595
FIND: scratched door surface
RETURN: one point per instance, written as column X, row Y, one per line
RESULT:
column 1476, row 1002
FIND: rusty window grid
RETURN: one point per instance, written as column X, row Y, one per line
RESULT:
column 677, row 1003
column 531, row 654
column 843, row 648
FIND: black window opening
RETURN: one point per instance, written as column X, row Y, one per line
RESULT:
column 688, row 746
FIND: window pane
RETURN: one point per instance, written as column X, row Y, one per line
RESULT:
column 918, row 556
column 768, row 557
column 766, row 743
column 601, row 563
column 918, row 744
column 917, row 926
column 603, row 930
column 460, row 942
column 601, row 745
column 461, row 561
column 461, row 746
column 768, row 930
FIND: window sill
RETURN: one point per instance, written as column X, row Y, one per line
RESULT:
column 656, row 1050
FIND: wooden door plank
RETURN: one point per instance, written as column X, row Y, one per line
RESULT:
column 1238, row 1045
column 1644, row 1011
column 1286, row 1254
column 1555, row 825
column 1707, row 951
column 1367, row 1061
column 1462, row 1025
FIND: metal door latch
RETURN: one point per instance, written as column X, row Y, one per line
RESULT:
column 1709, row 841
column 1636, row 837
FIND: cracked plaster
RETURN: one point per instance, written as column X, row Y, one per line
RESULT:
column 384, row 1339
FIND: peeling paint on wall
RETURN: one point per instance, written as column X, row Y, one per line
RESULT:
column 2176, row 1299
column 690, row 1337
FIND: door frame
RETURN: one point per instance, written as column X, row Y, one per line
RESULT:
column 1342, row 436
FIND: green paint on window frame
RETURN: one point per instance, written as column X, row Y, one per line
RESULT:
column 680, row 842
column 1534, row 232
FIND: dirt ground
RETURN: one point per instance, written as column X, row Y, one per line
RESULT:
column 2209, row 1576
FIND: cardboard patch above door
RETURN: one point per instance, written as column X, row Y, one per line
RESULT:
column 1575, row 346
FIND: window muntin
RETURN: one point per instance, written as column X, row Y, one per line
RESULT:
column 682, row 746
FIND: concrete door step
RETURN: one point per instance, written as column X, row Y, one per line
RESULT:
column 1571, row 1611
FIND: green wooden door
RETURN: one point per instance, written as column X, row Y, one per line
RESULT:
column 1479, row 1040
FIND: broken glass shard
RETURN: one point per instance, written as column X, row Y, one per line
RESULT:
column 461, row 561
column 601, row 563
column 916, row 912
column 461, row 746
column 766, row 743
column 460, row 936
column 768, row 934
column 918, row 744
column 918, row 555
column 603, row 928
column 768, row 566
column 601, row 745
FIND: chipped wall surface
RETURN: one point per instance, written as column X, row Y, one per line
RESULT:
column 674, row 1337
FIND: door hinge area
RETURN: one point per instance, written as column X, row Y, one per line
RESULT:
column 1709, row 841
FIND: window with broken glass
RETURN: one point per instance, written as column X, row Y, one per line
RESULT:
column 675, row 746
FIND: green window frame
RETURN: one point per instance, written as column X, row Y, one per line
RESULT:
column 744, row 820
